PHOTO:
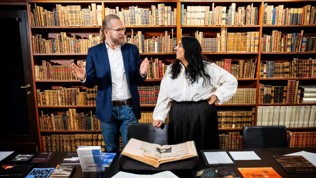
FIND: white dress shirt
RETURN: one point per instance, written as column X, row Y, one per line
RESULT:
column 222, row 84
column 120, row 89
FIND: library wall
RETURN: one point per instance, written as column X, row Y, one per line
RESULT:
column 269, row 46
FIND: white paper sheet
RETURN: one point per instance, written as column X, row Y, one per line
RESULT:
column 4, row 154
column 244, row 155
column 164, row 174
column 218, row 157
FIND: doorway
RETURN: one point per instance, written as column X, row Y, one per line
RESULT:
column 18, row 128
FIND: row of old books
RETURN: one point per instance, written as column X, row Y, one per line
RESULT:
column 235, row 119
column 281, row 15
column 67, row 15
column 304, row 68
column 160, row 14
column 55, row 70
column 241, row 68
column 230, row 141
column 62, row 96
column 92, row 15
column 156, row 69
column 292, row 93
column 279, row 41
column 229, row 41
column 70, row 142
column 148, row 94
column 243, row 96
column 283, row 94
column 60, row 69
column 290, row 116
column 303, row 139
column 69, row 43
column 64, row 43
column 219, row 15
column 70, row 120
column 164, row 42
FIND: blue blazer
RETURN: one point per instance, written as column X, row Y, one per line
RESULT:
column 98, row 73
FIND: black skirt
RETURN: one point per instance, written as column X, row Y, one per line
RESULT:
column 194, row 121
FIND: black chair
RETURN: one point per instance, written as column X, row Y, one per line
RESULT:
column 147, row 132
column 264, row 137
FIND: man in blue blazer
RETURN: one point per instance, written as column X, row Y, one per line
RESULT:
column 116, row 68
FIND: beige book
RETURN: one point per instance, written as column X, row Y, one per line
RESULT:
column 154, row 154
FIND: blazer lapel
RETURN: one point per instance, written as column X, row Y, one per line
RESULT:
column 125, row 60
column 105, row 63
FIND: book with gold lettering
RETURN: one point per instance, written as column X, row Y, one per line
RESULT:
column 295, row 164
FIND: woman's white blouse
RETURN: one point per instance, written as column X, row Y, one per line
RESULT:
column 223, row 85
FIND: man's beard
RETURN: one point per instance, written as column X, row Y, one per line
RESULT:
column 118, row 41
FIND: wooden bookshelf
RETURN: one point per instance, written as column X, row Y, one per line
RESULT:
column 239, row 45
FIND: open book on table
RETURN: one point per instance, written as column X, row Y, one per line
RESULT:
column 155, row 154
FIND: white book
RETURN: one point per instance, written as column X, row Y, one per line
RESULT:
column 308, row 88
column 282, row 115
column 300, row 119
column 276, row 115
column 307, row 112
column 259, row 116
column 270, row 115
column 90, row 158
column 265, row 111
column 297, row 116
column 287, row 118
column 293, row 116
column 312, row 117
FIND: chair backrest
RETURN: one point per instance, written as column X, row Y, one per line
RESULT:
column 264, row 136
column 147, row 132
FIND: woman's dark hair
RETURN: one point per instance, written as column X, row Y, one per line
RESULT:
column 196, row 66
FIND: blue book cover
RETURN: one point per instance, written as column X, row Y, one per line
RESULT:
column 40, row 172
column 107, row 159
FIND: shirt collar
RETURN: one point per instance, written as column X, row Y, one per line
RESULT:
column 108, row 47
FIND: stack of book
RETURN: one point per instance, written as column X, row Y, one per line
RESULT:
column 90, row 158
column 308, row 93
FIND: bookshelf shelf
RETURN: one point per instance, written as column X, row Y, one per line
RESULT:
column 70, row 131
column 59, row 54
column 289, row 26
column 66, row 107
column 239, row 46
column 221, row 26
column 289, row 78
column 296, row 104
column 57, row 81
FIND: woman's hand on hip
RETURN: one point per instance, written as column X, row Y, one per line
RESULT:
column 213, row 99
column 157, row 123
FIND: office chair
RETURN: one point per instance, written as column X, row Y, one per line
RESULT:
column 264, row 136
column 147, row 132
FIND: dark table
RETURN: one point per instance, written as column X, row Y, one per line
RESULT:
column 266, row 161
column 266, row 156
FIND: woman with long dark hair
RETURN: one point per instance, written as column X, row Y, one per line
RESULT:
column 188, row 92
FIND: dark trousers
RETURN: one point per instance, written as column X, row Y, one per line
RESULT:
column 194, row 121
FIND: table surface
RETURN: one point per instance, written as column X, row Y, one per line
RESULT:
column 266, row 156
